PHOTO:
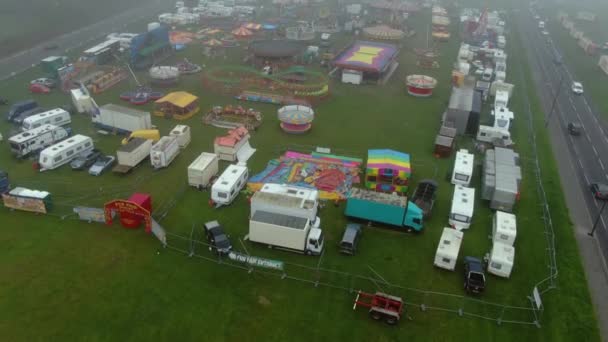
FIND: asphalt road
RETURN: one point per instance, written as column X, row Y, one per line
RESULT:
column 79, row 39
column 581, row 159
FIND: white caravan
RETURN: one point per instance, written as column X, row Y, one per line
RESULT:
column 182, row 133
column 496, row 136
column 448, row 249
column 163, row 152
column 230, row 183
column 504, row 228
column 501, row 259
column 501, row 99
column 57, row 117
column 463, row 168
column 63, row 152
column 463, row 204
column 503, row 118
column 37, row 139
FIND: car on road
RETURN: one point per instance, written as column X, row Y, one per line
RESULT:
column 557, row 59
column 103, row 163
column 545, row 32
column 599, row 190
column 537, row 17
column 577, row 88
column 85, row 160
column 575, row 128
column 39, row 88
column 474, row 277
column 350, row 239
column 47, row 82
column 218, row 240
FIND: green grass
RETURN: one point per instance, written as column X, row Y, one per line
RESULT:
column 70, row 280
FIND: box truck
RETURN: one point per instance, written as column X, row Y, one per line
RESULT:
column 288, row 200
column 285, row 232
column 122, row 120
column 130, row 155
column 163, row 152
column 37, row 139
column 384, row 208
column 202, row 169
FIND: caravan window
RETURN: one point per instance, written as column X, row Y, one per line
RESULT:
column 58, row 158
column 222, row 195
column 59, row 118
column 87, row 144
column 504, row 237
column 232, row 192
column 78, row 148
column 461, row 218
column 461, row 177
column 446, row 260
column 70, row 152
column 482, row 134
column 496, row 265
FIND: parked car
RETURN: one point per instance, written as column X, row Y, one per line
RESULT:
column 575, row 128
column 217, row 238
column 599, row 190
column 85, row 160
column 19, row 118
column 350, row 239
column 474, row 277
column 103, row 163
column 577, row 88
column 44, row 81
column 39, row 88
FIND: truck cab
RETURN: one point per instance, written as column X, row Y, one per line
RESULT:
column 413, row 217
column 315, row 242
column 474, row 277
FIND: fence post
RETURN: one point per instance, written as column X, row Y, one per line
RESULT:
column 499, row 319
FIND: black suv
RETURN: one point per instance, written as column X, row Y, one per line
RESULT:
column 217, row 238
column 574, row 128
column 350, row 239
column 85, row 160
column 474, row 277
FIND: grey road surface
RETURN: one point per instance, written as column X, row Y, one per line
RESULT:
column 581, row 159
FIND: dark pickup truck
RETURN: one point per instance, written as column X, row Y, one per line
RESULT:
column 424, row 195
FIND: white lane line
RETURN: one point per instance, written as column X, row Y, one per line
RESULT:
column 581, row 164
column 585, row 175
column 587, row 136
column 601, row 164
column 594, row 150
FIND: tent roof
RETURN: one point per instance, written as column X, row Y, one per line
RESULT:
column 178, row 98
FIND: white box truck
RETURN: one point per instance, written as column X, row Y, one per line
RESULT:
column 448, row 249
column 463, row 204
column 288, row 200
column 122, row 120
column 504, row 228
column 130, row 155
column 37, row 139
column 163, row 152
column 285, row 232
column 463, row 168
column 202, row 169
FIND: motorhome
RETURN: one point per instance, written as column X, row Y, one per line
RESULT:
column 501, row 99
column 463, row 168
column 37, row 139
column 448, row 249
column 494, row 135
column 504, row 228
column 503, row 118
column 63, row 152
column 57, row 117
column 230, row 183
column 501, row 259
column 501, row 42
column 463, row 204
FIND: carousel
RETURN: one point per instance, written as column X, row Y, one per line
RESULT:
column 420, row 85
column 383, row 32
column 296, row 119
column 164, row 76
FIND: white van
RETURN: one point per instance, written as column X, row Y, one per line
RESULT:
column 57, row 117
column 463, row 204
column 501, row 259
column 541, row 24
column 230, row 183
column 63, row 152
column 494, row 135
column 448, row 249
column 504, row 228
column 463, row 168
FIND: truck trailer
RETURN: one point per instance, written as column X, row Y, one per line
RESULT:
column 130, row 155
column 164, row 151
column 121, row 119
column 384, row 208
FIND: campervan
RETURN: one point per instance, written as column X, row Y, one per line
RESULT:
column 494, row 135
column 501, row 259
column 463, row 168
column 504, row 228
column 463, row 203
column 503, row 118
column 448, row 249
column 34, row 140
column 63, row 152
column 57, row 117
column 230, row 183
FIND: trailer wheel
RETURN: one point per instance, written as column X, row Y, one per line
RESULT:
column 391, row 320
column 308, row 252
column 375, row 315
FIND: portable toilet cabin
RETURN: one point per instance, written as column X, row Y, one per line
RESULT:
column 504, row 228
column 463, row 204
column 182, row 133
column 501, row 259
column 463, row 168
column 448, row 249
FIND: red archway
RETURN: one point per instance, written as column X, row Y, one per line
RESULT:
column 131, row 211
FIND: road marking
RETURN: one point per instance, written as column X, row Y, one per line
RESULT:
column 581, row 164
column 594, row 150
column 602, row 164
column 584, row 174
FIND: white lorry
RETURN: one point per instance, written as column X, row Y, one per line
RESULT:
column 202, row 169
column 164, row 151
column 130, row 155
column 122, row 120
column 285, row 232
column 37, row 139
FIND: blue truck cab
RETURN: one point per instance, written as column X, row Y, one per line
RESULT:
column 384, row 208
column 20, row 107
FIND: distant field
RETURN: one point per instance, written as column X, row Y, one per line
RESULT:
column 26, row 23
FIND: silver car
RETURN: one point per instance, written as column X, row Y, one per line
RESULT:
column 102, row 164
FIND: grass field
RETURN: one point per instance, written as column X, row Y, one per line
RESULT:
column 63, row 279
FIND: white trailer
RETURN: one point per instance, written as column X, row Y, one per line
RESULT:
column 37, row 139
column 130, row 155
column 82, row 100
column 501, row 259
column 285, row 232
column 463, row 168
column 230, row 183
column 494, row 135
column 202, row 169
column 57, row 117
column 123, row 120
column 503, row 118
column 504, row 228
column 448, row 249
column 463, row 204
column 352, row 76
column 288, row 200
column 63, row 152
column 182, row 133
column 501, row 99
column 163, row 152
